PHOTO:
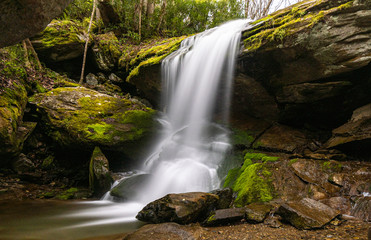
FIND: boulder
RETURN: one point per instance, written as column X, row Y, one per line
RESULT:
column 91, row 80
column 307, row 213
column 79, row 118
column 17, row 22
column 166, row 231
column 100, row 179
column 23, row 164
column 128, row 188
column 61, row 40
column 12, row 134
column 181, row 208
column 106, row 51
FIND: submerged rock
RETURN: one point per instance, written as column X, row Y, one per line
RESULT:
column 129, row 187
column 100, row 179
column 80, row 118
column 307, row 213
column 181, row 208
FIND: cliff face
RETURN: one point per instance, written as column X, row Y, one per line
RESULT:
column 24, row 18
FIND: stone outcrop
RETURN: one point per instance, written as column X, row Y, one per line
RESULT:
column 181, row 208
column 24, row 18
column 82, row 118
column 129, row 188
column 310, row 58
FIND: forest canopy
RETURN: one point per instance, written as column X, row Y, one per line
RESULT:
column 143, row 19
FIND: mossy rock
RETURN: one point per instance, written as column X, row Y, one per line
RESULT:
column 12, row 104
column 252, row 181
column 82, row 118
column 61, row 40
column 107, row 51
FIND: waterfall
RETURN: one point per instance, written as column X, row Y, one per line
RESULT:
column 197, row 81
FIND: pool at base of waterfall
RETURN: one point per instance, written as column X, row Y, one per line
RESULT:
column 57, row 220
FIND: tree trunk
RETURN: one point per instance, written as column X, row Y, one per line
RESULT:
column 149, row 13
column 140, row 19
column 87, row 42
column 163, row 11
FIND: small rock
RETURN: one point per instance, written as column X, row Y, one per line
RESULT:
column 129, row 187
column 114, row 78
column 91, row 79
column 257, row 212
column 225, row 216
column 23, row 164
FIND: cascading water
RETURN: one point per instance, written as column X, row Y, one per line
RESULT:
column 197, row 80
column 193, row 145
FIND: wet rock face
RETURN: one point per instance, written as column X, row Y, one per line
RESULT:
column 100, row 179
column 24, row 18
column 181, row 208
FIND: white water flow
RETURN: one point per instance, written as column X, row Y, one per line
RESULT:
column 197, row 82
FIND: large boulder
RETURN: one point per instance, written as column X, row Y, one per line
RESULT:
column 106, row 51
column 80, row 118
column 181, row 208
column 307, row 213
column 24, row 18
column 61, row 40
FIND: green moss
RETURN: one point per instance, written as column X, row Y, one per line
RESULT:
column 48, row 162
column 240, row 137
column 292, row 161
column 68, row 194
column 150, row 55
column 252, row 181
column 332, row 166
column 61, row 32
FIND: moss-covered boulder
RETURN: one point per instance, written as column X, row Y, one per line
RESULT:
column 12, row 105
column 253, row 181
column 77, row 117
column 107, row 51
column 61, row 40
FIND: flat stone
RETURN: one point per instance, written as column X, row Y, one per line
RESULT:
column 225, row 216
column 307, row 213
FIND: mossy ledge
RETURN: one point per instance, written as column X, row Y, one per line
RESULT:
column 279, row 26
column 149, row 55
column 252, row 182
